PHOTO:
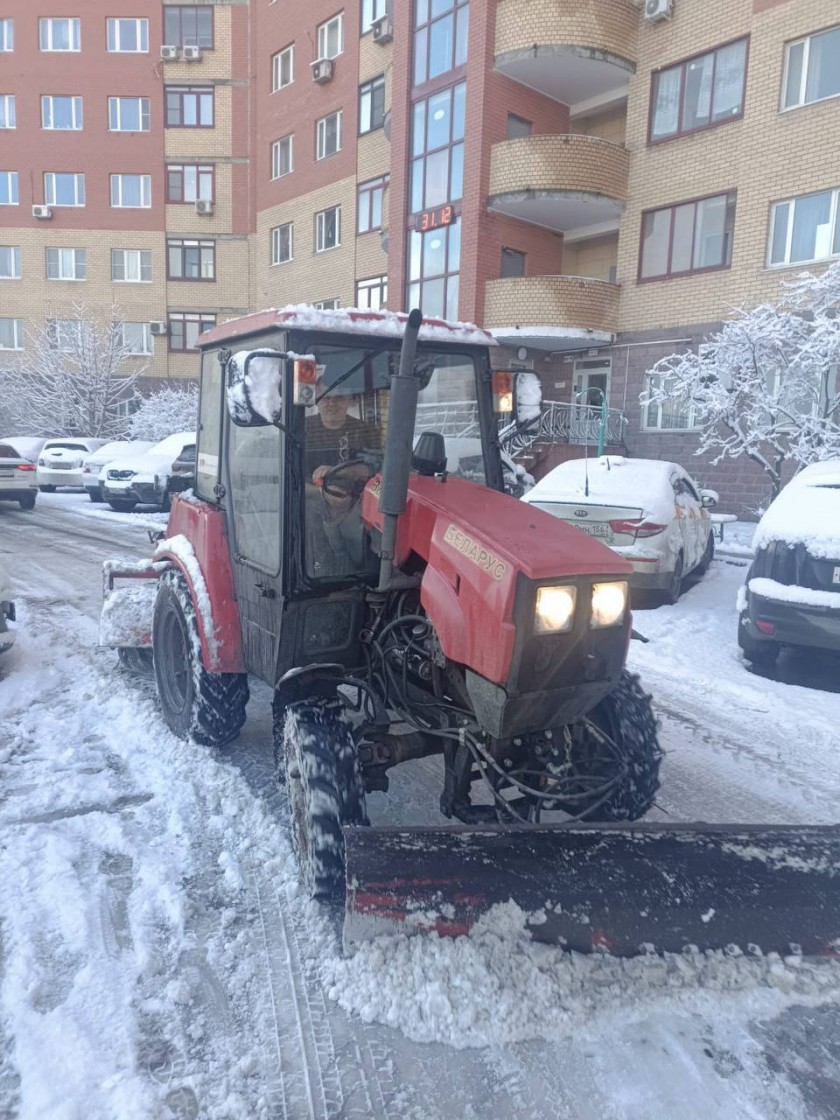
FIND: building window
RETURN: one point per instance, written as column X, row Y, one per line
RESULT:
column 517, row 127
column 328, row 229
column 131, row 191
column 66, row 264
column 128, row 36
column 440, row 41
column 282, row 157
column 372, row 105
column 372, row 10
column 185, row 328
column 128, row 114
column 131, row 266
column 282, row 243
column 331, row 37
column 10, row 262
column 9, row 188
column 369, row 208
column 812, row 69
column 437, row 148
column 689, row 237
column 188, row 25
column 7, row 110
column 190, row 260
column 189, row 106
column 328, row 133
column 805, row 229
column 513, row 264
column 283, row 68
column 61, row 113
column 60, row 34
column 66, row 335
column 7, row 35
column 434, row 260
column 675, row 414
column 11, row 334
column 189, row 182
column 136, row 338
column 64, row 189
column 372, row 294
column 327, row 305
column 700, row 92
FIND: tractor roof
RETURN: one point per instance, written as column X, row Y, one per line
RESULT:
column 345, row 320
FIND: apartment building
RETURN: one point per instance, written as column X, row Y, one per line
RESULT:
column 597, row 182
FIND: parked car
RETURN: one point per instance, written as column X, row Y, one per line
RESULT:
column 144, row 479
column 183, row 471
column 792, row 592
column 108, row 453
column 28, row 447
column 650, row 512
column 18, row 481
column 61, row 460
column 7, row 612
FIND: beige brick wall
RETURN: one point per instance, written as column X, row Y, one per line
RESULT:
column 768, row 155
column 197, row 144
column 183, row 217
column 212, row 64
column 611, row 125
column 567, row 163
column 554, row 300
column 374, row 60
column 595, row 257
column 605, row 25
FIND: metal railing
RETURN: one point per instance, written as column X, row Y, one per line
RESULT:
column 451, row 418
column 560, row 422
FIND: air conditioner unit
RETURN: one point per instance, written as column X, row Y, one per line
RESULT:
column 158, row 328
column 42, row 212
column 191, row 54
column 656, row 10
column 203, row 206
column 168, row 52
column 322, row 70
column 383, row 30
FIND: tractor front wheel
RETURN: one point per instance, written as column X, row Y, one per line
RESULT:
column 316, row 758
column 206, row 707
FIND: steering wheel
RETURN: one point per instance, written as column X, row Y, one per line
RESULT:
column 351, row 487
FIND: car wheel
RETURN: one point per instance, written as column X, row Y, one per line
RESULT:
column 674, row 590
column 96, row 495
column 121, row 506
column 761, row 655
column 708, row 556
column 27, row 501
column 47, row 489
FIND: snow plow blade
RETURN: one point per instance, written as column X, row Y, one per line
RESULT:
column 625, row 889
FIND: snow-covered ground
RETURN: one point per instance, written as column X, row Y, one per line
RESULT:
column 157, row 960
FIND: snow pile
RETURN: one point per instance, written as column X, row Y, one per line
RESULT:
column 611, row 480
column 528, row 396
column 807, row 512
column 790, row 593
column 386, row 324
column 495, row 986
column 179, row 547
column 127, row 614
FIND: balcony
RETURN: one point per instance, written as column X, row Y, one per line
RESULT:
column 551, row 312
column 565, row 183
column 580, row 53
column 562, row 422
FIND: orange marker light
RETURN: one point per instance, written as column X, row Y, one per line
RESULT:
column 502, row 391
column 305, row 376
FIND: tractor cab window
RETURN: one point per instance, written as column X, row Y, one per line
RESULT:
column 344, row 441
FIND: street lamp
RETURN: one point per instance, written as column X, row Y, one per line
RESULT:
column 602, row 427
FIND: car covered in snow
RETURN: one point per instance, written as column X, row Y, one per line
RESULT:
column 18, row 481
column 650, row 512
column 792, row 592
column 109, row 453
column 183, row 471
column 28, row 447
column 7, row 612
column 61, row 460
column 144, row 479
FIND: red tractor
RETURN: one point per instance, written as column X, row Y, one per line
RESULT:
column 350, row 543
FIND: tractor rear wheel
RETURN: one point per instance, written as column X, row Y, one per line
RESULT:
column 206, row 707
column 317, row 759
column 618, row 737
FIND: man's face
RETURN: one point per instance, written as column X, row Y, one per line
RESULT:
column 332, row 408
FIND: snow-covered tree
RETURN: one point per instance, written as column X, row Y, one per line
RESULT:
column 765, row 386
column 75, row 375
column 170, row 409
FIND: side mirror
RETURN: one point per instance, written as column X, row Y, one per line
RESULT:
column 709, row 498
column 254, row 387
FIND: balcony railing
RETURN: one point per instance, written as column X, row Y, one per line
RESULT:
column 560, row 422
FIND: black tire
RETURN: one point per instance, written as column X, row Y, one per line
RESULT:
column 96, row 495
column 761, row 655
column 708, row 556
column 27, row 501
column 206, row 707
column 138, row 661
column 324, row 788
column 626, row 718
column 121, row 505
column 672, row 595
column 47, row 489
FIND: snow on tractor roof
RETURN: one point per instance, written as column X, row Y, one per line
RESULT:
column 345, row 320
column 807, row 512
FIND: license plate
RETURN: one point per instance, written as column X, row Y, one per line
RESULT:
column 60, row 467
column 836, row 577
column 596, row 529
column 6, row 472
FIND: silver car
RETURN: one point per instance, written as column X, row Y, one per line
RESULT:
column 18, row 482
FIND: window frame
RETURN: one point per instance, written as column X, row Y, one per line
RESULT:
column 61, row 250
column 127, row 279
column 118, row 176
column 203, row 318
column 834, row 228
column 178, row 40
column 366, row 23
column 669, row 275
column 321, row 228
column 691, row 427
column 510, row 253
column 15, row 261
column 18, row 332
column 7, row 35
column 370, row 188
column 46, row 23
column 370, row 284
column 424, row 153
column 13, row 187
column 145, row 113
column 456, row 71
column 141, row 31
column 327, row 304
column 806, row 41
column 368, row 90
column 182, row 245
column 77, row 177
column 322, row 33
column 275, row 150
column 201, row 171
column 683, row 65
column 338, row 114
column 182, row 93
column 277, row 68
column 275, row 241
column 8, row 100
column 148, row 339
column 518, row 133
column 76, row 102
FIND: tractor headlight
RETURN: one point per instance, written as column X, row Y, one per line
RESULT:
column 555, row 609
column 609, row 604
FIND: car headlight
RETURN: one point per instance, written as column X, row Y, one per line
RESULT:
column 555, row 609
column 609, row 604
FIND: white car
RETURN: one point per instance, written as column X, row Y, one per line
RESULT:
column 61, row 460
column 650, row 512
column 28, row 447
column 109, row 453
column 7, row 612
column 143, row 479
column 17, row 478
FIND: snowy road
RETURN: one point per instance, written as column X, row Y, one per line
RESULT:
column 156, row 960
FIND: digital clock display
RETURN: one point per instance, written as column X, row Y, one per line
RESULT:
column 434, row 219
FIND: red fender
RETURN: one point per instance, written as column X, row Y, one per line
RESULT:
column 205, row 529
